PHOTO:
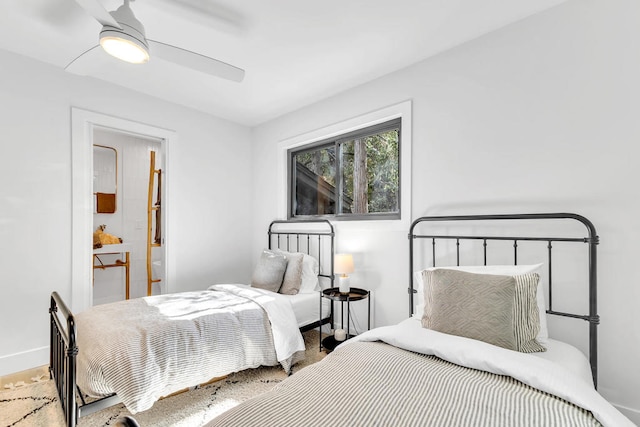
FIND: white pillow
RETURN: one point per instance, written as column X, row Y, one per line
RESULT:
column 310, row 271
column 500, row 270
column 418, row 298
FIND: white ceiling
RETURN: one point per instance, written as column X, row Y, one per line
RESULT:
column 295, row 52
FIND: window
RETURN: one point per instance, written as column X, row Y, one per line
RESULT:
column 351, row 176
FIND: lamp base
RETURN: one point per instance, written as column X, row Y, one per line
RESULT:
column 340, row 335
column 344, row 284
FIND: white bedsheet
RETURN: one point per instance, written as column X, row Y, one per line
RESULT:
column 537, row 372
column 567, row 356
column 306, row 307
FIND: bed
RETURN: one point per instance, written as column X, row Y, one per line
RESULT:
column 444, row 373
column 136, row 351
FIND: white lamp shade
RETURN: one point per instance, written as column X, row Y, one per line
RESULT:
column 343, row 264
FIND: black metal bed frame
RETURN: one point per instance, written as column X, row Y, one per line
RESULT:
column 64, row 349
column 314, row 239
column 62, row 357
column 591, row 240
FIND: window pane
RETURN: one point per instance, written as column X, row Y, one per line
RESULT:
column 370, row 173
column 355, row 175
column 315, row 172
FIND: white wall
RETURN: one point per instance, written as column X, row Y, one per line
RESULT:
column 209, row 215
column 540, row 116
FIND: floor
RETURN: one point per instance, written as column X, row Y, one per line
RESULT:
column 24, row 377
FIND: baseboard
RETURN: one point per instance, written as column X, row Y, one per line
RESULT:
column 632, row 414
column 29, row 359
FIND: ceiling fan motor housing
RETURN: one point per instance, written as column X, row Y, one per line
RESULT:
column 132, row 29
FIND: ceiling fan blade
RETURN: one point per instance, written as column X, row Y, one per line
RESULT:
column 86, row 62
column 196, row 61
column 95, row 9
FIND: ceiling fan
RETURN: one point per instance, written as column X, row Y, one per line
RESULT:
column 123, row 36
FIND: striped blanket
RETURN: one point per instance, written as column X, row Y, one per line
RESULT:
column 367, row 382
column 146, row 348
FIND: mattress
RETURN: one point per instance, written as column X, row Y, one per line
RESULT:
column 306, row 306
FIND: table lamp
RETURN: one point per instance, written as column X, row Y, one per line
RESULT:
column 344, row 266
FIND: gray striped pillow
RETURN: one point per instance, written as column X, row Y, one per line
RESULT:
column 477, row 306
column 526, row 315
column 525, row 319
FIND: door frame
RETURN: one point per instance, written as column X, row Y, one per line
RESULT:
column 83, row 123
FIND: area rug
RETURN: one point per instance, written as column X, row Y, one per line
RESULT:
column 37, row 404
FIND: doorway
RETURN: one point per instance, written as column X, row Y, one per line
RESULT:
column 122, row 179
column 83, row 129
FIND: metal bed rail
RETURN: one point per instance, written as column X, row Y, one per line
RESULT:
column 62, row 357
column 305, row 241
column 313, row 239
column 63, row 350
column 592, row 240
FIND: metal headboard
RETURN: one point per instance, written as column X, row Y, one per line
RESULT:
column 591, row 240
column 313, row 237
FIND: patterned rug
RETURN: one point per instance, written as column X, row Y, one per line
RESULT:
column 37, row 404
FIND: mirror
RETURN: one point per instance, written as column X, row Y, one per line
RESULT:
column 105, row 178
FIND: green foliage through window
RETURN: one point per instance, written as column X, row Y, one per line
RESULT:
column 354, row 175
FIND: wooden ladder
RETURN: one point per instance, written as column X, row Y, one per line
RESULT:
column 154, row 240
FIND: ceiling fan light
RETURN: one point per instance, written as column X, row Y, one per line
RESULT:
column 127, row 42
column 125, row 48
